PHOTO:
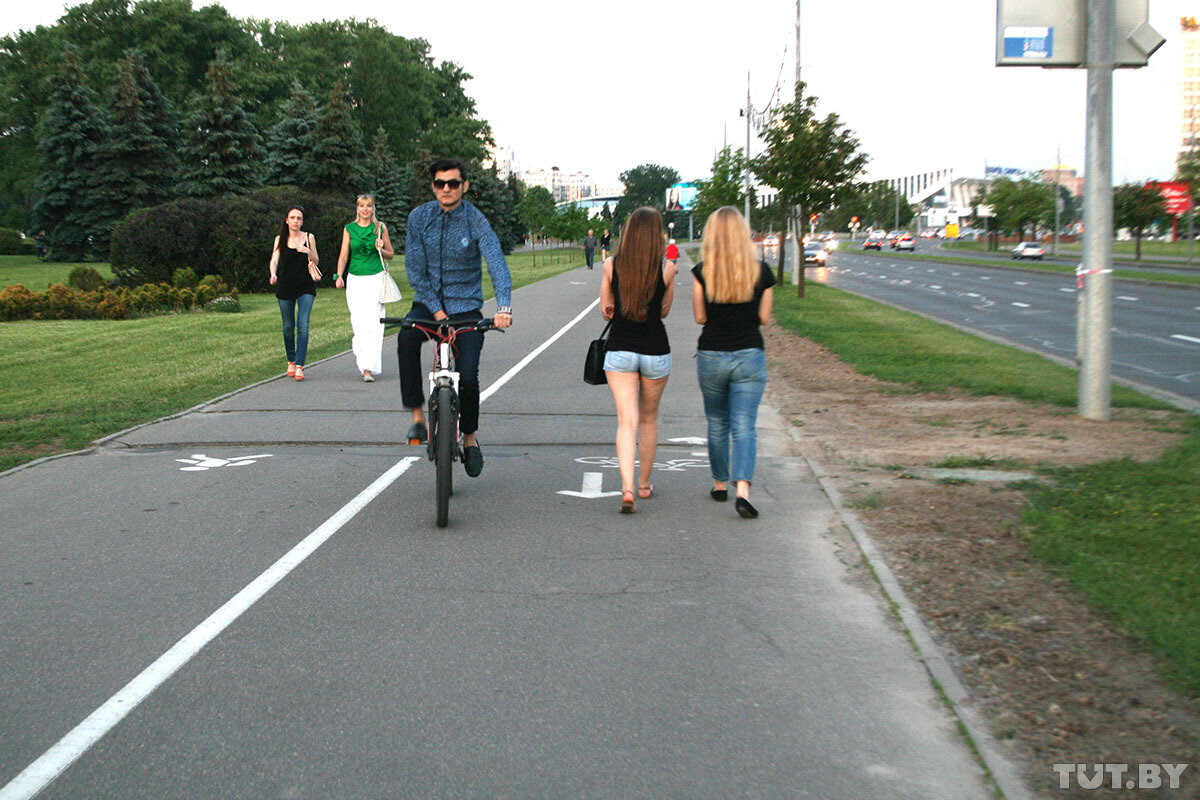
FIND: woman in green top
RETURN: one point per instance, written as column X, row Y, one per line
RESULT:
column 365, row 243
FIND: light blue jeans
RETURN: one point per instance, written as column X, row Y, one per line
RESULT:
column 732, row 384
column 295, row 326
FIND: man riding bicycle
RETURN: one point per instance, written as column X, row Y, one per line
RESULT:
column 443, row 244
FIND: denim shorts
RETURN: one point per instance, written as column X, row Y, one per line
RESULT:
column 652, row 367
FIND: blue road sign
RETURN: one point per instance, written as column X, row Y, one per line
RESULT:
column 1032, row 42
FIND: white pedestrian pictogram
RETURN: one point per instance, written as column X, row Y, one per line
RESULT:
column 200, row 462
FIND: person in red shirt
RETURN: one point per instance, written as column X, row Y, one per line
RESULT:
column 672, row 253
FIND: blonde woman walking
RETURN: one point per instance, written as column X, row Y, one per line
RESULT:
column 636, row 293
column 365, row 242
column 731, row 298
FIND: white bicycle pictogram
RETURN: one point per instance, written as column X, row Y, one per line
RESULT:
column 674, row 465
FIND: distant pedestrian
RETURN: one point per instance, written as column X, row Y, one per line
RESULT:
column 39, row 243
column 605, row 245
column 589, row 248
column 672, row 251
column 731, row 298
column 294, row 274
column 365, row 244
column 636, row 293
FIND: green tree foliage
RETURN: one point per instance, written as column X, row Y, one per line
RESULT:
column 813, row 162
column 73, row 135
column 336, row 161
column 535, row 211
column 393, row 80
column 1188, row 171
column 726, row 187
column 1018, row 205
column 136, row 166
column 874, row 204
column 222, row 154
column 645, row 185
column 493, row 197
column 386, row 182
column 288, row 142
column 1136, row 206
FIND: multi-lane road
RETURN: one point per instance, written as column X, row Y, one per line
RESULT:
column 1156, row 327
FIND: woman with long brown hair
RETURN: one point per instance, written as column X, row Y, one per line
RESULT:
column 636, row 293
column 731, row 298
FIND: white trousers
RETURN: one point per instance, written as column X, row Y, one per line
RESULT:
column 362, row 298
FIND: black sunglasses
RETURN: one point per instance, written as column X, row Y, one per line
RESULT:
column 453, row 183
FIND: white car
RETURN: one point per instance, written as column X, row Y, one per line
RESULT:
column 905, row 242
column 1028, row 250
column 815, row 254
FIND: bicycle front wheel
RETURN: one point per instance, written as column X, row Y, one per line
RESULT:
column 444, row 449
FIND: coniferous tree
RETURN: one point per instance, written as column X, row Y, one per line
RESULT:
column 386, row 181
column 221, row 157
column 289, row 141
column 73, row 132
column 159, row 111
column 135, row 167
column 336, row 161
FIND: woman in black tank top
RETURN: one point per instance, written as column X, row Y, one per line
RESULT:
column 294, row 275
column 636, row 293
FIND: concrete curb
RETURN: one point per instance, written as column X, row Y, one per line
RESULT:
column 1005, row 775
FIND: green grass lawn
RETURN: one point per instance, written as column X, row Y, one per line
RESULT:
column 1122, row 249
column 37, row 275
column 67, row 383
column 1123, row 532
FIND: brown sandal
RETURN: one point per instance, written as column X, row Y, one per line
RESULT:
column 627, row 504
column 646, row 492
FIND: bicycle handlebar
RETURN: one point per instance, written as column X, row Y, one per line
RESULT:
column 443, row 325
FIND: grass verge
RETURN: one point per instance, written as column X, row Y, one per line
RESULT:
column 37, row 275
column 67, row 383
column 908, row 349
column 1122, row 532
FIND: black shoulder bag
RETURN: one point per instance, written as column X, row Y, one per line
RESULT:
column 593, row 366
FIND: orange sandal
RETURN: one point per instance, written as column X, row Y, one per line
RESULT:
column 627, row 504
column 291, row 370
column 299, row 372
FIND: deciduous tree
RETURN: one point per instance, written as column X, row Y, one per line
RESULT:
column 726, row 187
column 645, row 185
column 1136, row 206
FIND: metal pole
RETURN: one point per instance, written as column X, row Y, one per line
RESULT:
column 749, row 111
column 797, row 225
column 1095, row 381
column 1057, row 199
column 897, row 190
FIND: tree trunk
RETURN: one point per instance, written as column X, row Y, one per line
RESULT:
column 1137, row 245
column 798, row 229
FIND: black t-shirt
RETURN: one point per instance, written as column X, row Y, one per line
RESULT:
column 292, row 271
column 734, row 326
column 648, row 338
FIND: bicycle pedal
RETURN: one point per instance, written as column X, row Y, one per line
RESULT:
column 414, row 441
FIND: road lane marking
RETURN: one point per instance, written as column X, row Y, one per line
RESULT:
column 1185, row 338
column 593, row 487
column 80, row 739
column 972, row 294
column 934, row 286
column 984, row 278
column 1066, row 289
column 520, row 365
column 1126, row 297
column 1021, row 283
column 54, row 761
column 1021, row 305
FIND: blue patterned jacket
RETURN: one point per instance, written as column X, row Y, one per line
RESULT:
column 442, row 258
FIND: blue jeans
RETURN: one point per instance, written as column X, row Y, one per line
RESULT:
column 732, row 384
column 468, row 349
column 295, row 326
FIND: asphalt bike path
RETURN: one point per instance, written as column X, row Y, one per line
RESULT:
column 253, row 600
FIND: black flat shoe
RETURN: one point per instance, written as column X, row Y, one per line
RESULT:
column 720, row 495
column 473, row 460
column 745, row 509
column 417, row 433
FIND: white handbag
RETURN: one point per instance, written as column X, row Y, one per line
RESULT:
column 389, row 292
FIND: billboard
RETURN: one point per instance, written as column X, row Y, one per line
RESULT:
column 1176, row 196
column 682, row 196
column 1002, row 172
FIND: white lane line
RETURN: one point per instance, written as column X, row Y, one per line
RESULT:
column 51, row 764
column 972, row 294
column 984, row 278
column 1021, row 305
column 934, row 286
column 1021, row 283
column 1126, row 297
column 1066, row 289
column 956, row 274
column 520, row 365
column 68, row 749
column 1185, row 338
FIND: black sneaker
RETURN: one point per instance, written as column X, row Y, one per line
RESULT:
column 473, row 460
column 745, row 509
column 417, row 433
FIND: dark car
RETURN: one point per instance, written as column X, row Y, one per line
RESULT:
column 815, row 254
column 874, row 241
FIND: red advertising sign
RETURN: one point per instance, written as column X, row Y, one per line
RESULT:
column 1177, row 196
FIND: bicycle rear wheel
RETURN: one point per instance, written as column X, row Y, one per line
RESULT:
column 444, row 453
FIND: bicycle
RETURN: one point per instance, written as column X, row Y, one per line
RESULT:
column 444, row 440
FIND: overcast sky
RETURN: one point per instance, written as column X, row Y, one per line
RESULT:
column 660, row 82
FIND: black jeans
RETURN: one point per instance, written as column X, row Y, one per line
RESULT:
column 467, row 349
column 590, row 254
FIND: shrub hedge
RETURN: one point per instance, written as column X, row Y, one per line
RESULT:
column 11, row 243
column 230, row 238
column 85, row 279
column 65, row 302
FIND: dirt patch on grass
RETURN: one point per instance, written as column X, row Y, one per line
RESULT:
column 1057, row 682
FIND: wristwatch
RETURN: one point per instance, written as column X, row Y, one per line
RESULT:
column 504, row 310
